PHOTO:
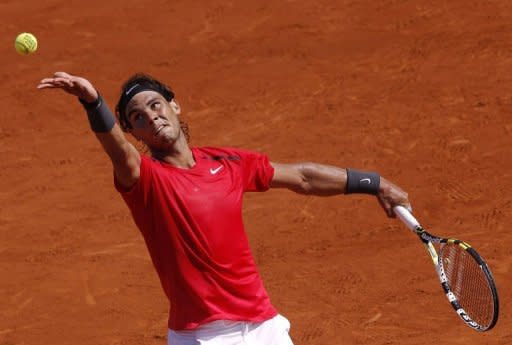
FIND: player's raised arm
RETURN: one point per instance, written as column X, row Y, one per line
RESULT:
column 125, row 158
column 325, row 180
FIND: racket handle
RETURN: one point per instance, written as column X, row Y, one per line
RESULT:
column 406, row 217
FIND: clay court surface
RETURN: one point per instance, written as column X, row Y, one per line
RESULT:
column 418, row 90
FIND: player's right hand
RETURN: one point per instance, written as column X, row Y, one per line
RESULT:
column 74, row 85
column 390, row 195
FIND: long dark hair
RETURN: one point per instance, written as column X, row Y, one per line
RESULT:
column 149, row 83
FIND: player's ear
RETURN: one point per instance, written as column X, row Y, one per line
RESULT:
column 175, row 106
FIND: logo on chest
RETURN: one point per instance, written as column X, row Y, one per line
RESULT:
column 214, row 171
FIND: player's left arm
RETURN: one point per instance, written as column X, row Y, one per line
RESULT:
column 326, row 180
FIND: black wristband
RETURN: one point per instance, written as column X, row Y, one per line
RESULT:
column 100, row 116
column 362, row 182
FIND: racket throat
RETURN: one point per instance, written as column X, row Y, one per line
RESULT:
column 433, row 253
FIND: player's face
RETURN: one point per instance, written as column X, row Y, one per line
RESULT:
column 154, row 120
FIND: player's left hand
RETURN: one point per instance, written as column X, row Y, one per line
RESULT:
column 74, row 85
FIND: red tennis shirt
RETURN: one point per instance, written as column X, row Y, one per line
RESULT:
column 191, row 220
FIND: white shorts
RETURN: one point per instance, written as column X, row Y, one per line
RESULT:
column 270, row 332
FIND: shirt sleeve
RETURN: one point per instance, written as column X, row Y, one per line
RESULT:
column 257, row 172
column 138, row 197
column 138, row 194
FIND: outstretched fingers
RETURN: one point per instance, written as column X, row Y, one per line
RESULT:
column 59, row 80
column 54, row 83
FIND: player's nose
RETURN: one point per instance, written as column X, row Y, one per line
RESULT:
column 152, row 117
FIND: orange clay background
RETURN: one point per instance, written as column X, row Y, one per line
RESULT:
column 418, row 90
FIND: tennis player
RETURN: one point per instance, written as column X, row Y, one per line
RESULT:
column 187, row 203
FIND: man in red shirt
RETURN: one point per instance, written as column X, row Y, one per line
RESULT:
column 187, row 203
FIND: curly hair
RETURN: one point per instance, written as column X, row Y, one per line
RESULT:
column 149, row 83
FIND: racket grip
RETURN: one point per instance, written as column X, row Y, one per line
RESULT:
column 406, row 217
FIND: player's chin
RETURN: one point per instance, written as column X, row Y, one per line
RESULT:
column 163, row 143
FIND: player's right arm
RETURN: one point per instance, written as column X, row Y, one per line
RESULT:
column 124, row 156
column 324, row 180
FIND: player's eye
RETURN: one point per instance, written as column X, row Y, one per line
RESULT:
column 138, row 120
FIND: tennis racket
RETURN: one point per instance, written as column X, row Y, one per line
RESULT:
column 464, row 275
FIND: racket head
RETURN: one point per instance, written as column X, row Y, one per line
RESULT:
column 478, row 306
column 468, row 284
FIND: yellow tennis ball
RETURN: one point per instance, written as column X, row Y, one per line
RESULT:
column 25, row 43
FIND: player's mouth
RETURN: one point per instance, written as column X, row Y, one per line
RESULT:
column 158, row 129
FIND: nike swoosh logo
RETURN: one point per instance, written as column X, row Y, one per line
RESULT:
column 216, row 170
column 131, row 89
column 367, row 180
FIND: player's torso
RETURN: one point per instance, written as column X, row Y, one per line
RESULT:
column 205, row 202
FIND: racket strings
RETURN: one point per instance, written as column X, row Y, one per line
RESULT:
column 468, row 283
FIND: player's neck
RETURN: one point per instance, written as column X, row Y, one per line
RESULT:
column 180, row 155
